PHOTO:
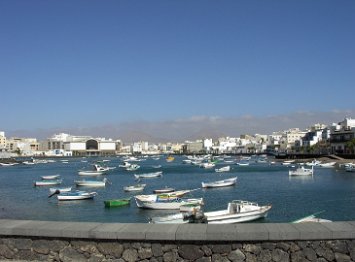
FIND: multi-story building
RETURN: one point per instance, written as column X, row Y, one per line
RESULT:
column 340, row 134
column 22, row 146
column 2, row 141
column 80, row 145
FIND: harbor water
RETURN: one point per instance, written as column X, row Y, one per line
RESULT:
column 330, row 190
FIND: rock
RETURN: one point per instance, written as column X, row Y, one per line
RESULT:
column 144, row 253
column 236, row 256
column 130, row 255
column 280, row 255
column 111, row 249
column 255, row 249
column 157, row 250
column 339, row 257
column 69, row 254
column 206, row 250
column 298, row 256
column 310, row 254
column 85, row 246
column 265, row 255
column 219, row 258
column 41, row 246
column 325, row 253
column 171, row 256
column 190, row 252
column 221, row 249
column 203, row 259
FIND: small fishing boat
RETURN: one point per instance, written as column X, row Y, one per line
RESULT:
column 138, row 187
column 236, row 212
column 312, row 218
column 77, row 195
column 169, row 204
column 48, row 182
column 220, row 183
column 223, row 169
column 164, row 190
column 59, row 189
column 8, row 164
column 164, row 196
column 207, row 165
column 91, row 183
column 170, row 159
column 301, row 171
column 149, row 175
column 133, row 167
column 117, row 202
column 102, row 168
column 50, row 177
column 90, row 173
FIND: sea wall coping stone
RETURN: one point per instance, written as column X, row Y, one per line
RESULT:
column 179, row 232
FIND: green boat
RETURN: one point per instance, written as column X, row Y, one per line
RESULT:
column 117, row 202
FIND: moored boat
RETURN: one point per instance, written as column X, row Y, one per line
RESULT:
column 237, row 211
column 138, row 187
column 164, row 190
column 91, row 183
column 149, row 175
column 117, row 202
column 169, row 204
column 48, row 182
column 312, row 218
column 301, row 171
column 90, row 173
column 59, row 189
column 77, row 195
column 220, row 183
column 223, row 169
column 52, row 177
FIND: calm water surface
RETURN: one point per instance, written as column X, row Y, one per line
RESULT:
column 329, row 190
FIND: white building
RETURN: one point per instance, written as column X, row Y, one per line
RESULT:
column 81, row 145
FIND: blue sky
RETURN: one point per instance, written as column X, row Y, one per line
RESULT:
column 71, row 64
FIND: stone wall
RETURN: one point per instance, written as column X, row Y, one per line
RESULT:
column 86, row 250
column 73, row 241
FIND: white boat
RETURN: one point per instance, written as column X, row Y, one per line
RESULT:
column 163, row 190
column 149, row 175
column 90, row 173
column 9, row 164
column 52, row 177
column 207, row 165
column 223, row 169
column 312, row 218
column 125, row 164
column 242, row 163
column 236, row 212
column 138, row 187
column 167, row 196
column 327, row 165
column 178, row 218
column 102, row 168
column 59, row 189
column 169, row 204
column 91, row 183
column 133, row 167
column 301, row 171
column 220, row 183
column 48, row 182
column 77, row 195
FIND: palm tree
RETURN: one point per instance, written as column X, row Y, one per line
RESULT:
column 350, row 145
